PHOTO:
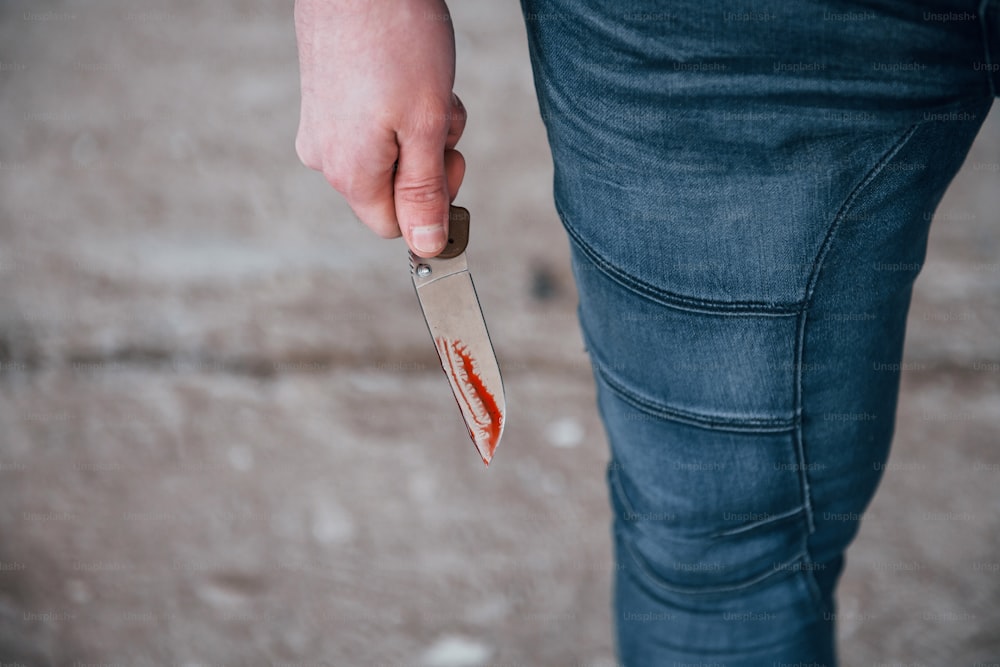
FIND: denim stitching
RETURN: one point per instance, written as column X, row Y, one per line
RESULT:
column 785, row 568
column 817, row 265
column 798, row 441
column 778, row 518
column 617, row 488
column 734, row 424
column 670, row 299
column 656, row 409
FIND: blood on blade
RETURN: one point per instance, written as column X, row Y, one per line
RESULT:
column 459, row 364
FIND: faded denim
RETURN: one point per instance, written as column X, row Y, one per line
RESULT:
column 747, row 189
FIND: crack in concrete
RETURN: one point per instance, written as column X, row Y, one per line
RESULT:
column 411, row 360
column 406, row 360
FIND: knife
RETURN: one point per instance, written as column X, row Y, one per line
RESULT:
column 455, row 321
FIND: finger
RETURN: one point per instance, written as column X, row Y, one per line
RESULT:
column 379, row 215
column 458, row 117
column 454, row 169
column 421, row 195
column 370, row 196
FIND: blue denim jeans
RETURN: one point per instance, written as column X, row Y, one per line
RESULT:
column 747, row 189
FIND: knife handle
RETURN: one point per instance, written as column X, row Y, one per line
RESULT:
column 458, row 233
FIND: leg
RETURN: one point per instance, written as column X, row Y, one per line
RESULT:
column 747, row 215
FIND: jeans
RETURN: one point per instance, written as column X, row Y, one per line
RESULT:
column 747, row 189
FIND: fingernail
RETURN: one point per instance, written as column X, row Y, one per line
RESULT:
column 428, row 239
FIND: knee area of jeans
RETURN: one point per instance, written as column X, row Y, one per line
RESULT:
column 741, row 623
column 687, row 559
column 751, row 626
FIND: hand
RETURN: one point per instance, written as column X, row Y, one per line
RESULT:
column 377, row 83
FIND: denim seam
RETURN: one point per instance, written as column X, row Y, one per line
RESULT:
column 798, row 439
column 803, row 317
column 670, row 299
column 614, row 479
column 736, row 425
column 777, row 518
column 640, row 562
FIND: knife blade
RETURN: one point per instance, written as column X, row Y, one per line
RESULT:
column 455, row 321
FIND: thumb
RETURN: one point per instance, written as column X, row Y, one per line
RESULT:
column 421, row 196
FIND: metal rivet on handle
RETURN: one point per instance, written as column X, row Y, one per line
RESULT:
column 423, row 270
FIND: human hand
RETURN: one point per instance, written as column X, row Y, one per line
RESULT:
column 377, row 83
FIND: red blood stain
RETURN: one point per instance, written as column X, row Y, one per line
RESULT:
column 457, row 361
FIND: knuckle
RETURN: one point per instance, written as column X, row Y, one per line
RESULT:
column 339, row 174
column 430, row 119
column 426, row 192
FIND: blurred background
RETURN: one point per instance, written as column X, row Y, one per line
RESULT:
column 224, row 434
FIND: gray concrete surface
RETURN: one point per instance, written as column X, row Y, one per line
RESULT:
column 225, row 439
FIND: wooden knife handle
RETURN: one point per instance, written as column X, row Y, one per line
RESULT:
column 458, row 233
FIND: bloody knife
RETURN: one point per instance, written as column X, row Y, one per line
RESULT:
column 454, row 318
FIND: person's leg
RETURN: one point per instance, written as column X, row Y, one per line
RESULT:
column 748, row 198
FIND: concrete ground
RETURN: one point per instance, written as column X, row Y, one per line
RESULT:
column 225, row 438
